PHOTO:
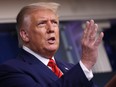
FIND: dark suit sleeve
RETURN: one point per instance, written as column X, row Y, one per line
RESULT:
column 75, row 77
column 11, row 77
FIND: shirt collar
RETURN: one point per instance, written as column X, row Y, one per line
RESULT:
column 42, row 59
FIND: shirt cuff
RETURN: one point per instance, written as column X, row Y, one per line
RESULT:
column 88, row 73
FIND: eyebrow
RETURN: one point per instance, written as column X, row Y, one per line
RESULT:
column 44, row 19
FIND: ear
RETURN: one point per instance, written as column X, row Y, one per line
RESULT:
column 24, row 35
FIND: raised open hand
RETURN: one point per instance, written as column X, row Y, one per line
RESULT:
column 90, row 43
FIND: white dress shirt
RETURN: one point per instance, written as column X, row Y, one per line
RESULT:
column 45, row 61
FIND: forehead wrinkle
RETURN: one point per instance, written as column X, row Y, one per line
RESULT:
column 44, row 19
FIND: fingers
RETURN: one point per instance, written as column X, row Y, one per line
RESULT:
column 99, row 39
column 90, row 43
column 93, row 33
column 90, row 32
column 90, row 28
column 85, row 35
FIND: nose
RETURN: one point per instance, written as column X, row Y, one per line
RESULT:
column 50, row 28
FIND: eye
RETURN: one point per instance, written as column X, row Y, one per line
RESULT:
column 54, row 22
column 42, row 23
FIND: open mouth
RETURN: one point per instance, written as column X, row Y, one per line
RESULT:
column 51, row 40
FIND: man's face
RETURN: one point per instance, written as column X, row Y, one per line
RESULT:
column 43, row 32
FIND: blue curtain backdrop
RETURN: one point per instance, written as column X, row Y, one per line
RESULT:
column 8, row 42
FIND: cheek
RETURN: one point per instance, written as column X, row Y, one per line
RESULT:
column 42, row 39
column 38, row 38
column 57, row 34
column 40, row 35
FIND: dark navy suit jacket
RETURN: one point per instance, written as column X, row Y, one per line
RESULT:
column 28, row 71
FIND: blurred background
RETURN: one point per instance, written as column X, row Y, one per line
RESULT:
column 73, row 16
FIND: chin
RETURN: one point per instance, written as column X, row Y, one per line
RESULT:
column 53, row 48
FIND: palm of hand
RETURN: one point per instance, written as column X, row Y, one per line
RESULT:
column 90, row 43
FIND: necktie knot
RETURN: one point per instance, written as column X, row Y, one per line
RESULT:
column 54, row 68
column 51, row 63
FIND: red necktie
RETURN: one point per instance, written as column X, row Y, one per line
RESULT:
column 54, row 68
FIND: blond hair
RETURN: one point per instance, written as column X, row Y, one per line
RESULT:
column 27, row 10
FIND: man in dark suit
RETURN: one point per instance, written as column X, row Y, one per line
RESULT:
column 38, row 31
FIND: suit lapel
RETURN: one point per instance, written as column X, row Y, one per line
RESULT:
column 64, row 67
column 39, row 68
column 37, row 65
column 44, row 70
